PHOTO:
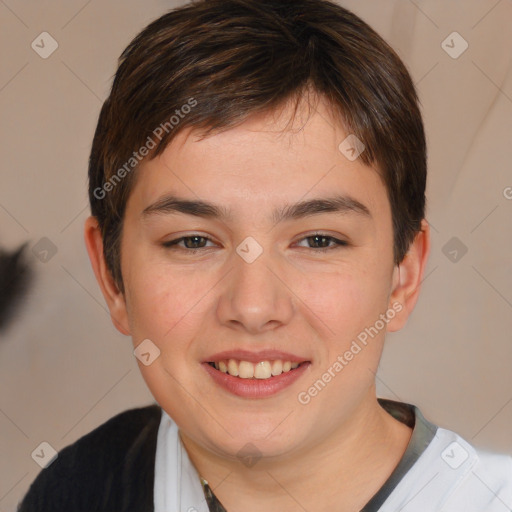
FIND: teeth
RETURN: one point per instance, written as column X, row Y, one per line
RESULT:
column 245, row 370
column 263, row 370
column 260, row 370
column 277, row 367
column 232, row 368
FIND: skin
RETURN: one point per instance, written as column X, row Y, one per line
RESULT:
column 294, row 298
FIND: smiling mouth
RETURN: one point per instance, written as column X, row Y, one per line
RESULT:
column 261, row 370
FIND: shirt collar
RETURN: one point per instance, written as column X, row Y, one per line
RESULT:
column 422, row 434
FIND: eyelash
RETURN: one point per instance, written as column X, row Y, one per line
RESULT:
column 171, row 244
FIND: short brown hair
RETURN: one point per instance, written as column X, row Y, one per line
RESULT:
column 212, row 63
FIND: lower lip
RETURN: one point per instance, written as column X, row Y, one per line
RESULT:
column 255, row 388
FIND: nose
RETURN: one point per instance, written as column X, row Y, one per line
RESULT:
column 255, row 297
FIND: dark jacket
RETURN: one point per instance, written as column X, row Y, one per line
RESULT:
column 111, row 469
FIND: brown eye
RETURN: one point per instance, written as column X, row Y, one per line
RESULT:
column 323, row 242
column 189, row 242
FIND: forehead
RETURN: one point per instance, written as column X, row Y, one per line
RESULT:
column 265, row 161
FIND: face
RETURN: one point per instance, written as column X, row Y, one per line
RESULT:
column 264, row 247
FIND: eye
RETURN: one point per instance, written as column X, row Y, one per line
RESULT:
column 320, row 242
column 323, row 242
column 190, row 243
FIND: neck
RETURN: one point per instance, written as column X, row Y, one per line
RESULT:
column 349, row 466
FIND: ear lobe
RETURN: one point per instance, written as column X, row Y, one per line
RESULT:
column 407, row 277
column 115, row 299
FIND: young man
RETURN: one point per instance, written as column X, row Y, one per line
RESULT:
column 257, row 187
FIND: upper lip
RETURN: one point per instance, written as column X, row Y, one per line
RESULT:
column 255, row 357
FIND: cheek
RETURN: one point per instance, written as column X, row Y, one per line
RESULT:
column 345, row 301
column 164, row 302
column 350, row 303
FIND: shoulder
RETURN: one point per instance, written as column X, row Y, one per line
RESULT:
column 451, row 475
column 102, row 468
column 469, row 478
column 496, row 467
column 489, row 482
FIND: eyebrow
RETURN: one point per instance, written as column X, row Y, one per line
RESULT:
column 170, row 204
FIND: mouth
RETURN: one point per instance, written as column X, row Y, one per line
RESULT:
column 262, row 370
column 256, row 376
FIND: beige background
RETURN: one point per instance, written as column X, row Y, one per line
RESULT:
column 64, row 369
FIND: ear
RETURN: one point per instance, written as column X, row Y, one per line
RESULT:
column 407, row 278
column 114, row 298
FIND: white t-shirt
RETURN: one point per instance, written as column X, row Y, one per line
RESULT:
column 439, row 472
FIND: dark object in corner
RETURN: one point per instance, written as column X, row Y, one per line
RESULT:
column 15, row 278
